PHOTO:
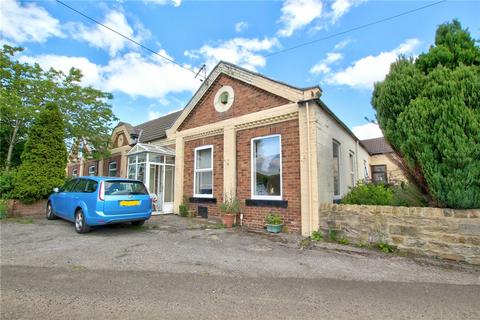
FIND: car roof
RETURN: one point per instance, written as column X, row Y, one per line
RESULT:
column 97, row 178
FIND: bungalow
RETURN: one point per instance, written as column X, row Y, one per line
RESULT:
column 276, row 147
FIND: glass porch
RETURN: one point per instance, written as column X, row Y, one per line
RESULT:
column 155, row 166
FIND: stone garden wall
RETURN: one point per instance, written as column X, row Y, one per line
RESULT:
column 442, row 233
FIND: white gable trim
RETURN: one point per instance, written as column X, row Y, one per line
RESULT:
column 277, row 88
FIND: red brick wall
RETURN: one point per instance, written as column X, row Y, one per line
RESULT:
column 87, row 166
column 16, row 208
column 255, row 216
column 189, row 148
column 71, row 167
column 248, row 99
column 114, row 157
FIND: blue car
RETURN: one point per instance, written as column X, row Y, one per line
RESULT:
column 92, row 201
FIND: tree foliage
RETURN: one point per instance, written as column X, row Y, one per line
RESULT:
column 26, row 89
column 429, row 111
column 44, row 158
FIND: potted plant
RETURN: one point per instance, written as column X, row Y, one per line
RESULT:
column 274, row 222
column 229, row 209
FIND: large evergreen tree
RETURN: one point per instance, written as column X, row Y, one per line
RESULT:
column 429, row 111
column 44, row 158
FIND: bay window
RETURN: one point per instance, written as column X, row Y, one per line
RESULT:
column 203, row 172
column 267, row 168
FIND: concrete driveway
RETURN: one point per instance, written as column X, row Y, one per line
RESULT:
column 180, row 268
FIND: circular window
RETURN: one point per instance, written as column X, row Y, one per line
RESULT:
column 223, row 99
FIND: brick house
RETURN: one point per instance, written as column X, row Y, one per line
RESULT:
column 276, row 147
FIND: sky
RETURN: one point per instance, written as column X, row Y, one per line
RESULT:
column 251, row 34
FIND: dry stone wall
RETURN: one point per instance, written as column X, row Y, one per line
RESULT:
column 442, row 233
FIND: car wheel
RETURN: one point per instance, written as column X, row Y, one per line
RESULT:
column 49, row 212
column 138, row 223
column 80, row 223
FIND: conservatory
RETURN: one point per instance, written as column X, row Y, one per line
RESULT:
column 155, row 166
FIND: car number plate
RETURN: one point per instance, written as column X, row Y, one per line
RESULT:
column 129, row 203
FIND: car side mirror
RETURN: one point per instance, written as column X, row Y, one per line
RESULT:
column 56, row 190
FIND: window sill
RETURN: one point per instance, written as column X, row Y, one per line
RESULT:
column 266, row 203
column 202, row 200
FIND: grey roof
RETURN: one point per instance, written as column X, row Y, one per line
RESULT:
column 155, row 129
column 377, row 146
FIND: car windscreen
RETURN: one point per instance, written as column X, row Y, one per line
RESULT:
column 119, row 187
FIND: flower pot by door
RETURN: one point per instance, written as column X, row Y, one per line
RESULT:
column 228, row 219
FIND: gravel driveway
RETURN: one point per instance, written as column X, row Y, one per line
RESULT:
column 180, row 248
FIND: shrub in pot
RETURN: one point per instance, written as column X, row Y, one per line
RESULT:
column 229, row 209
column 274, row 222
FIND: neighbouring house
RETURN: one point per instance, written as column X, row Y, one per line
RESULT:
column 384, row 163
column 276, row 147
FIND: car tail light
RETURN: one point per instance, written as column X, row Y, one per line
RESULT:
column 101, row 192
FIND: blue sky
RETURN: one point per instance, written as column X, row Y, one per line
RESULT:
column 242, row 32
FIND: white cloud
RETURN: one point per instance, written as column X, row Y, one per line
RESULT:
column 154, row 115
column 367, row 131
column 296, row 14
column 324, row 65
column 341, row 7
column 241, row 51
column 241, row 26
column 90, row 71
column 27, row 23
column 342, row 44
column 132, row 74
column 100, row 37
column 365, row 72
column 175, row 3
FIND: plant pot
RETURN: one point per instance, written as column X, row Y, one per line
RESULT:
column 228, row 219
column 274, row 228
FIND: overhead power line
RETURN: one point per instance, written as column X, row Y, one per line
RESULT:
column 354, row 29
column 127, row 38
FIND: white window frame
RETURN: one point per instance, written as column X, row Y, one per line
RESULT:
column 109, row 168
column 75, row 173
column 90, row 173
column 353, row 171
column 195, row 170
column 339, row 195
column 252, row 170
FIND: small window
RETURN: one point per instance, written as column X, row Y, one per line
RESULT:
column 365, row 167
column 267, row 168
column 91, row 186
column 74, row 173
column 203, row 172
column 336, row 169
column 379, row 174
column 351, row 163
column 91, row 170
column 112, row 169
column 81, row 186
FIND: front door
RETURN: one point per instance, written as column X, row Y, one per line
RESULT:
column 155, row 185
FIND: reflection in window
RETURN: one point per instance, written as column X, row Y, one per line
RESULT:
column 379, row 174
column 112, row 169
column 203, row 174
column 351, row 164
column 266, row 175
column 336, row 169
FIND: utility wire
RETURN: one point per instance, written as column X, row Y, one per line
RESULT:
column 354, row 29
column 126, row 37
